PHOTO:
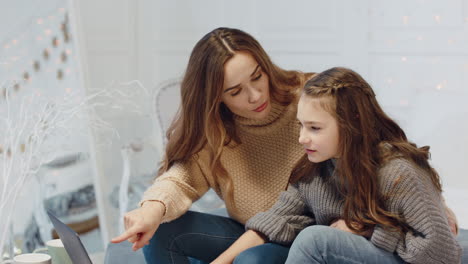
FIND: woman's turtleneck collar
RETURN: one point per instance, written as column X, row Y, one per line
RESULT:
column 275, row 113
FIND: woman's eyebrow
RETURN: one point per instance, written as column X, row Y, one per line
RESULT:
column 236, row 86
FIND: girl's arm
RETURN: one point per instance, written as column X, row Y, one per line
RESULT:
column 280, row 224
column 419, row 204
column 248, row 240
column 285, row 219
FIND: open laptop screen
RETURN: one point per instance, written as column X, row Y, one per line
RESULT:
column 71, row 241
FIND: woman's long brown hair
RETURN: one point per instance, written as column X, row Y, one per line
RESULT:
column 203, row 121
column 368, row 139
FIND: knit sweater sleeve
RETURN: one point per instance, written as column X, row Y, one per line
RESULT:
column 282, row 222
column 177, row 188
column 412, row 195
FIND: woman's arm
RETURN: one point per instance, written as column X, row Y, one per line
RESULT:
column 248, row 240
column 177, row 188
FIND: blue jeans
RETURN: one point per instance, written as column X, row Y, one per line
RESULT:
column 324, row 244
column 200, row 238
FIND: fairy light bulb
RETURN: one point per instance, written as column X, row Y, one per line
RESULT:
column 405, row 20
column 437, row 19
column 404, row 59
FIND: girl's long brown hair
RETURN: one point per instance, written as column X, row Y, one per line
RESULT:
column 203, row 121
column 368, row 138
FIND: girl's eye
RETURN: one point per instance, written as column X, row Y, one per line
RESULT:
column 315, row 128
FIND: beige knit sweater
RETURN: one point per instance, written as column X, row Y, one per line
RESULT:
column 259, row 167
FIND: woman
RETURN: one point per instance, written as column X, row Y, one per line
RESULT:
column 234, row 133
column 362, row 193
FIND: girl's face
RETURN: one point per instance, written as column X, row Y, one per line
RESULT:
column 319, row 129
column 246, row 87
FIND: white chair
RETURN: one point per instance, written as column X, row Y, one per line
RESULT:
column 166, row 102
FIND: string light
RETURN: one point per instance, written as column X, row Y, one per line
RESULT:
column 420, row 38
column 405, row 20
column 48, row 32
column 404, row 102
column 437, row 18
column 404, row 59
column 40, row 21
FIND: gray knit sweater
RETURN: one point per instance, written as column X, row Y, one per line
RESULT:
column 316, row 201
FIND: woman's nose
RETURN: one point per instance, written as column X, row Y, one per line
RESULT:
column 254, row 95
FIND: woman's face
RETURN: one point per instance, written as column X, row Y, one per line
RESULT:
column 246, row 87
column 319, row 130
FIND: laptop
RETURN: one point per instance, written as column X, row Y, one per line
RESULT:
column 71, row 241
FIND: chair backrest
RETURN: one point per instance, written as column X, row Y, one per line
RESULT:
column 166, row 102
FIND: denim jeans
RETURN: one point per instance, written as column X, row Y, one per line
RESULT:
column 200, row 238
column 324, row 244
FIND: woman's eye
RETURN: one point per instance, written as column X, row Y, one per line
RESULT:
column 235, row 93
column 257, row 77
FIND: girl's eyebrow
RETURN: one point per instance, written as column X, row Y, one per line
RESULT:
column 236, row 86
column 311, row 122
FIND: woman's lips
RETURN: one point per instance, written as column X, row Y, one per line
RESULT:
column 261, row 108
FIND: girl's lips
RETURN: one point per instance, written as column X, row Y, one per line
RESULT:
column 261, row 108
column 310, row 151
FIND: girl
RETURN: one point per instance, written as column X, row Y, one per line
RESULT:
column 234, row 101
column 362, row 193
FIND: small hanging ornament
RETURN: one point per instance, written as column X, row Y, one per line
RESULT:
column 22, row 148
column 26, row 76
column 66, row 37
column 16, row 87
column 59, row 74
column 8, row 153
column 46, row 54
column 4, row 91
column 1, row 150
column 63, row 56
column 55, row 42
column 36, row 66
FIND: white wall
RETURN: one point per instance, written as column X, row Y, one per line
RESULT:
column 413, row 52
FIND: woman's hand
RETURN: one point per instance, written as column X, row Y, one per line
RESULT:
column 341, row 225
column 141, row 224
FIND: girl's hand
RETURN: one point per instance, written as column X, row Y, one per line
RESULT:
column 341, row 225
column 141, row 224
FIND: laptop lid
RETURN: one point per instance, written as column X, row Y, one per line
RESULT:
column 71, row 241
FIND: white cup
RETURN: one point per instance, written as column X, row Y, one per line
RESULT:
column 32, row 258
column 57, row 251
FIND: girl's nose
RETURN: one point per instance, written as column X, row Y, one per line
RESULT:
column 302, row 138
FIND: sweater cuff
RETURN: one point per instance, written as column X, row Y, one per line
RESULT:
column 385, row 239
column 173, row 209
